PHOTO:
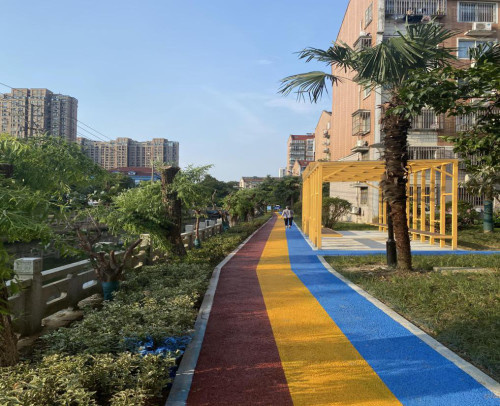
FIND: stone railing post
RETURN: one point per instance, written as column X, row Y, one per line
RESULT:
column 31, row 269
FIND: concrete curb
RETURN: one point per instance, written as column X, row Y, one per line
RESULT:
column 184, row 377
column 465, row 366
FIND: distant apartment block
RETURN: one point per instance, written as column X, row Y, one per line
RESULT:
column 28, row 112
column 281, row 172
column 299, row 166
column 250, row 182
column 299, row 147
column 125, row 152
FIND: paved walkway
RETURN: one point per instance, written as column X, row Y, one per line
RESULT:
column 284, row 329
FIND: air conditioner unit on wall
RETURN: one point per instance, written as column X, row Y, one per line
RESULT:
column 361, row 143
column 355, row 210
column 481, row 26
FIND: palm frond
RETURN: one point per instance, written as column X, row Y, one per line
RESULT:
column 314, row 84
column 485, row 53
column 337, row 55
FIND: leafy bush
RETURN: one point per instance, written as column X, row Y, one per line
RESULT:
column 333, row 209
column 84, row 379
column 467, row 215
column 157, row 302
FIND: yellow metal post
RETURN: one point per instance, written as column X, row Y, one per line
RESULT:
column 408, row 203
column 414, row 204
column 454, row 210
column 432, row 204
column 423, row 175
column 380, row 209
column 320, row 206
column 442, row 205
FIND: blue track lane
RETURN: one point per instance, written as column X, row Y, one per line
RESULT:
column 412, row 370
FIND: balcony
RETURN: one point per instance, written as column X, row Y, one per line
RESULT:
column 361, row 146
column 427, row 121
column 364, row 41
column 415, row 10
column 415, row 153
column 361, row 122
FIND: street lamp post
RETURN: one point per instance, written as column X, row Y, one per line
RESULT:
column 390, row 245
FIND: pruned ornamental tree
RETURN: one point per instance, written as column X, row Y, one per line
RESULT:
column 472, row 96
column 388, row 65
column 195, row 196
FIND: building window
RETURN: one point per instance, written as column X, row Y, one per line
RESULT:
column 476, row 12
column 369, row 15
column 361, row 122
column 363, row 195
column 367, row 91
column 465, row 45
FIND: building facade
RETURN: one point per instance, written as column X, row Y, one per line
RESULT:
column 355, row 121
column 322, row 137
column 299, row 166
column 299, row 147
column 28, row 112
column 125, row 152
column 250, row 182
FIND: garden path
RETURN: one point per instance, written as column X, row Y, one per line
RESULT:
column 285, row 329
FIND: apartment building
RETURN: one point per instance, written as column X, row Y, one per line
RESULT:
column 125, row 152
column 299, row 147
column 355, row 132
column 28, row 112
column 322, row 137
column 299, row 167
column 250, row 182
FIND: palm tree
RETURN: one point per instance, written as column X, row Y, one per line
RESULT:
column 388, row 65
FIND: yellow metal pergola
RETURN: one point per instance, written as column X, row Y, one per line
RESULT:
column 430, row 183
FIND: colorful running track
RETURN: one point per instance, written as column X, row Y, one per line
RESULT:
column 285, row 330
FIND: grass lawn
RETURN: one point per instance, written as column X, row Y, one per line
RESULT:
column 461, row 310
column 474, row 238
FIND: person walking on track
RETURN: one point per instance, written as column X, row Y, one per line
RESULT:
column 288, row 216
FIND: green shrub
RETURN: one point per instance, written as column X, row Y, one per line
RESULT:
column 333, row 209
column 86, row 380
column 158, row 301
column 467, row 215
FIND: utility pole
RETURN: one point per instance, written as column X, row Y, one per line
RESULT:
column 392, row 258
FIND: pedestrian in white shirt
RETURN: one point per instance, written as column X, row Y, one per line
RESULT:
column 288, row 216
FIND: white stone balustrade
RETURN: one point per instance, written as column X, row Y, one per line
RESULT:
column 43, row 293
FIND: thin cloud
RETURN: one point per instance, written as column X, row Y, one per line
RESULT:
column 292, row 105
column 264, row 62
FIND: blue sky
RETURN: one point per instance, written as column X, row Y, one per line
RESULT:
column 204, row 73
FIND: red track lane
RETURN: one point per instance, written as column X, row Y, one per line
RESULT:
column 239, row 362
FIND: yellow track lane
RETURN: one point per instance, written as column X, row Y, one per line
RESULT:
column 321, row 366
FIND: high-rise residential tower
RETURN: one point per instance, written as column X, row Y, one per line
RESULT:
column 125, row 152
column 28, row 112
column 299, row 147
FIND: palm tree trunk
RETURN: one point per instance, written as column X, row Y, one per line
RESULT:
column 395, row 179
